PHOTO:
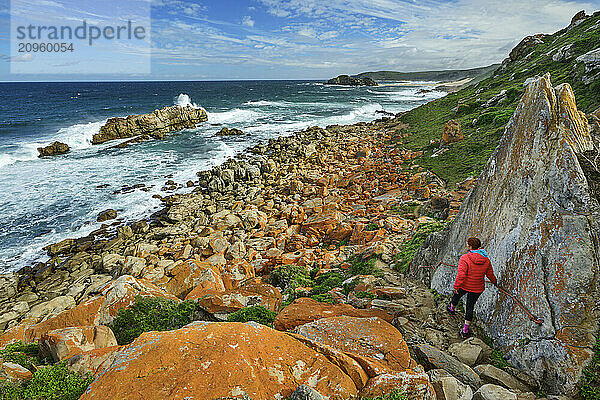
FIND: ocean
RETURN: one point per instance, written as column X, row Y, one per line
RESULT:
column 46, row 200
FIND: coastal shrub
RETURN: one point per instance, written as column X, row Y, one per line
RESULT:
column 590, row 388
column 290, row 277
column 324, row 298
column 48, row 383
column 406, row 210
column 395, row 395
column 361, row 264
column 23, row 354
column 365, row 295
column 259, row 314
column 371, row 227
column 152, row 314
column 407, row 251
column 327, row 281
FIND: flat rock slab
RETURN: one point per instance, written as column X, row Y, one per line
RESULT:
column 432, row 358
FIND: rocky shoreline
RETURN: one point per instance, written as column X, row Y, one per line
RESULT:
column 318, row 228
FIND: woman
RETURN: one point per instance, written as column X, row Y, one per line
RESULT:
column 473, row 267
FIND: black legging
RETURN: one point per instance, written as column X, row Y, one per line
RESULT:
column 471, row 300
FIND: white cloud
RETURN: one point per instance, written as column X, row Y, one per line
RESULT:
column 248, row 21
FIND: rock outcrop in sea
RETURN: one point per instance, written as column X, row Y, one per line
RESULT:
column 53, row 149
column 156, row 124
column 351, row 81
column 535, row 207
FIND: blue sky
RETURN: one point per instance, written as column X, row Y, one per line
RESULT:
column 316, row 39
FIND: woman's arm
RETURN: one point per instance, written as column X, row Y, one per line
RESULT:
column 490, row 274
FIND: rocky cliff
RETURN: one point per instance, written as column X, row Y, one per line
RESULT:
column 538, row 219
column 156, row 124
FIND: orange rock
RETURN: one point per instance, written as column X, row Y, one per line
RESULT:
column 213, row 360
column 235, row 272
column 64, row 343
column 14, row 372
column 379, row 340
column 252, row 293
column 98, row 310
column 93, row 361
column 191, row 273
column 305, row 310
column 452, row 132
column 322, row 224
column 414, row 383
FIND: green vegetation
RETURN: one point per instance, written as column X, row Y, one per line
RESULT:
column 365, row 295
column 590, row 388
column 395, row 395
column 290, row 277
column 498, row 360
column 152, row 314
column 407, row 251
column 371, row 227
column 483, row 126
column 436, row 76
column 259, row 314
column 25, row 355
column 361, row 264
column 406, row 210
column 48, row 383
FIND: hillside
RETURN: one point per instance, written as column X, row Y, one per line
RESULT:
column 483, row 109
column 435, row 76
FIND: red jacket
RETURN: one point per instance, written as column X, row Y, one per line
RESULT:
column 472, row 269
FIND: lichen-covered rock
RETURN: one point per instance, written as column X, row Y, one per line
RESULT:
column 305, row 310
column 414, row 384
column 368, row 337
column 452, row 132
column 156, row 124
column 433, row 358
column 252, row 293
column 537, row 215
column 65, row 343
column 215, row 360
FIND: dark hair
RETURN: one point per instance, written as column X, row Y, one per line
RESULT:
column 474, row 243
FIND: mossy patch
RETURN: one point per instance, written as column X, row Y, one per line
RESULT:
column 590, row 381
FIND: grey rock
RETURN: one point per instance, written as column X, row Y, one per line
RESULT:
column 493, row 392
column 304, row 392
column 490, row 374
column 466, row 353
column 433, row 358
column 448, row 387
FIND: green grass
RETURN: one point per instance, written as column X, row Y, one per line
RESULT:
column 469, row 156
column 407, row 251
column 152, row 314
column 259, row 314
column 590, row 382
column 365, row 295
column 395, row 395
column 48, row 383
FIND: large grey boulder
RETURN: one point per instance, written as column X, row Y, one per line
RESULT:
column 432, row 358
column 490, row 374
column 535, row 208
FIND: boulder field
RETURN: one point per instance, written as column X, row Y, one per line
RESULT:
column 535, row 208
column 319, row 229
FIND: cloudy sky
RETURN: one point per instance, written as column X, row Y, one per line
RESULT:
column 317, row 39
